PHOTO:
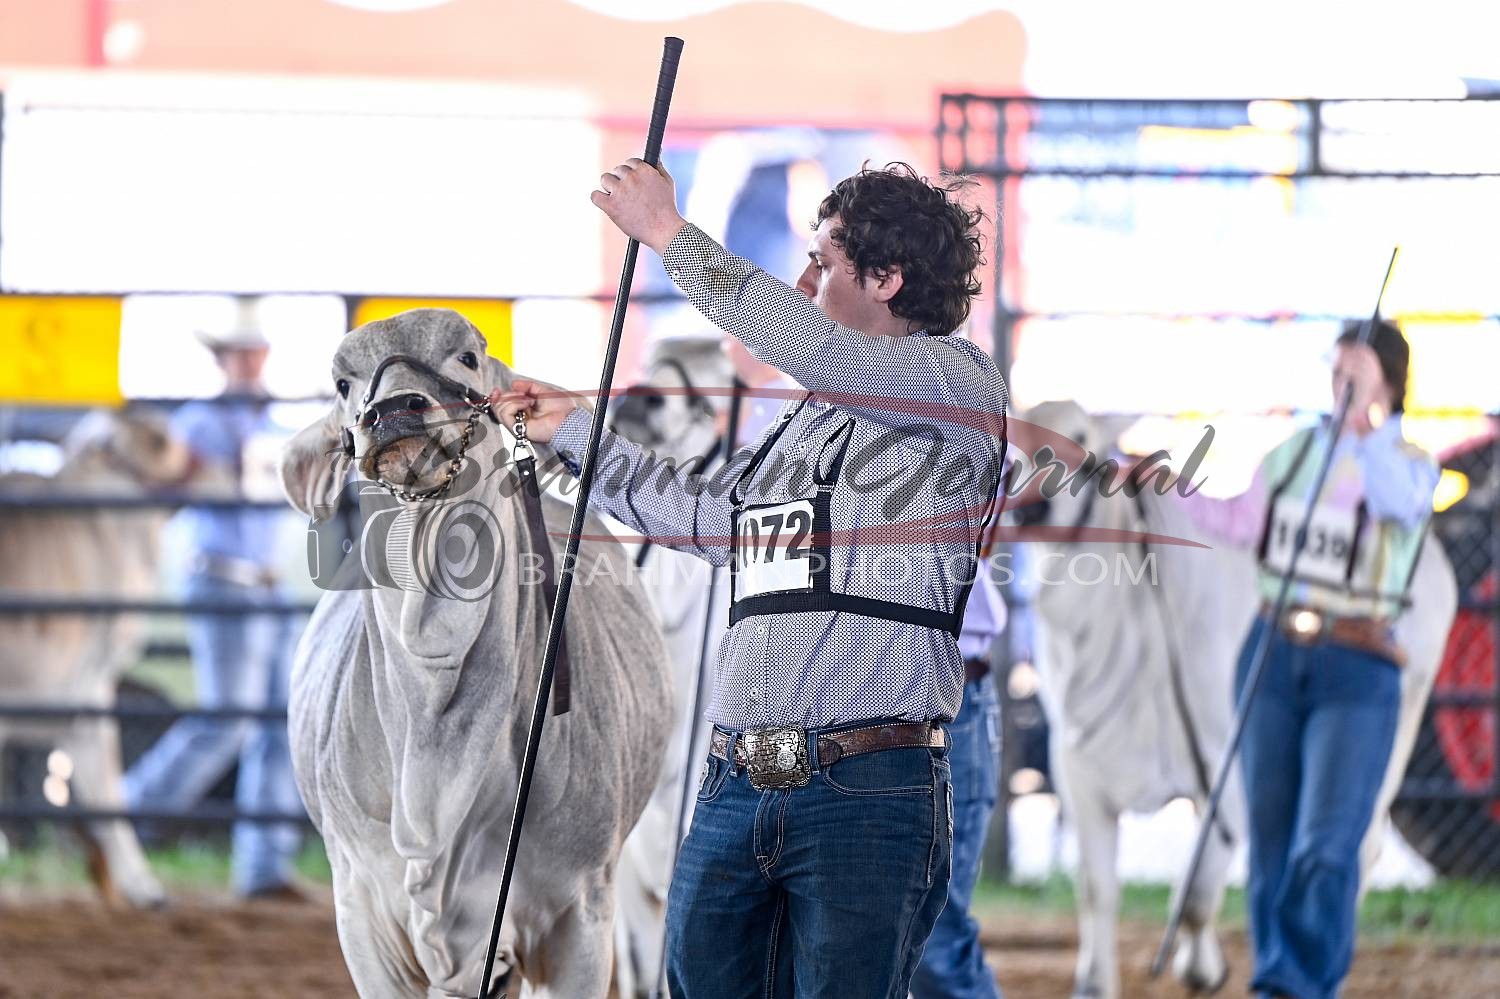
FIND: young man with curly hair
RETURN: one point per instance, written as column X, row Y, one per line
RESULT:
column 820, row 849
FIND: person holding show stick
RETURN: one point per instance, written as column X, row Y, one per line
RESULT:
column 1319, row 733
column 820, row 850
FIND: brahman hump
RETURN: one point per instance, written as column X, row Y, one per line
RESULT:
column 411, row 698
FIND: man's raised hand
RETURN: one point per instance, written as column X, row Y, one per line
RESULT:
column 642, row 201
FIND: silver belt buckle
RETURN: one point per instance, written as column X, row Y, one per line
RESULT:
column 776, row 758
column 1305, row 625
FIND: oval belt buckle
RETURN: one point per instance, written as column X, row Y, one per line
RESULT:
column 776, row 758
column 1306, row 624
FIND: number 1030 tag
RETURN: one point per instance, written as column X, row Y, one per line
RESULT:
column 1330, row 541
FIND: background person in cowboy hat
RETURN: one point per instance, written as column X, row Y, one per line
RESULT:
column 239, row 660
column 1319, row 733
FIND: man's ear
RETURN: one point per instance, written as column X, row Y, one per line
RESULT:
column 314, row 466
column 888, row 285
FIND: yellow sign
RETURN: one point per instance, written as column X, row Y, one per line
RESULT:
column 1452, row 486
column 491, row 315
column 59, row 349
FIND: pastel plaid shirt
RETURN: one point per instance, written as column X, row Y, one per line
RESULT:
column 917, row 487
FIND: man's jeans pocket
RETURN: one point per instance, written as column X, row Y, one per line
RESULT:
column 948, row 788
column 941, row 849
column 711, row 778
column 890, row 771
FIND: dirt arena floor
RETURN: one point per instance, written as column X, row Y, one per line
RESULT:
column 214, row 948
column 211, row 947
column 1034, row 960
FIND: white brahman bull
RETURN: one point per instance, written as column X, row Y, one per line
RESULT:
column 1137, row 680
column 410, row 706
column 88, row 553
column 670, row 413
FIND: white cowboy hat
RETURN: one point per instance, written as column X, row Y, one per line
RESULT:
column 237, row 338
column 244, row 334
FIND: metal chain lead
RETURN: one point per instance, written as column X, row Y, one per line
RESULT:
column 477, row 410
column 523, row 442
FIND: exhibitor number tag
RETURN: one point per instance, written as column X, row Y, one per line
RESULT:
column 1330, row 541
column 773, row 549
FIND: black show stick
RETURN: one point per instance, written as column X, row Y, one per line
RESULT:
column 666, row 79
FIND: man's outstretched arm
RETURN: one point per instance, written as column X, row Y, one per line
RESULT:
column 895, row 381
column 671, row 505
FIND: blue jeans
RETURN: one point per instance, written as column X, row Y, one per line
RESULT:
column 238, row 662
column 825, row 891
column 1315, row 749
column 952, row 965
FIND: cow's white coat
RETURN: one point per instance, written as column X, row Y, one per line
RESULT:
column 409, row 713
column 1119, row 736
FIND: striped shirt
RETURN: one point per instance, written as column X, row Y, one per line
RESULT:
column 917, row 487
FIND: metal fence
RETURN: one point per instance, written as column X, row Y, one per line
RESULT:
column 1449, row 803
column 141, row 714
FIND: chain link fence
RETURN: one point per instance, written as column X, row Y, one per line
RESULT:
column 1204, row 251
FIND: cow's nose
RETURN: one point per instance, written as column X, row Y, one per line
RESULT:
column 399, row 416
column 397, row 406
column 633, row 410
column 1033, row 513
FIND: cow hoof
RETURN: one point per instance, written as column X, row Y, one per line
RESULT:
column 152, row 903
column 1201, row 969
column 150, row 897
column 1200, row 983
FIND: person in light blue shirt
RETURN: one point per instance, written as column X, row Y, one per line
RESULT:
column 1318, row 735
column 239, row 660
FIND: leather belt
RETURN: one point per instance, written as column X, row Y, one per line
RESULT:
column 1311, row 626
column 976, row 668
column 840, row 745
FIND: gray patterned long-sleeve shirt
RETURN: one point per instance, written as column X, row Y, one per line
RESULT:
column 917, row 486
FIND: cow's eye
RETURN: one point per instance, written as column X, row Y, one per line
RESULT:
column 342, row 384
column 468, row 360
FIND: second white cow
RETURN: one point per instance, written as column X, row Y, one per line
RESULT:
column 90, row 553
column 1137, row 679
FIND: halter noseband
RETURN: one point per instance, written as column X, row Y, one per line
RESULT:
column 478, row 405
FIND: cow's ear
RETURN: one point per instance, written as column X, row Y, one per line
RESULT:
column 314, row 466
column 497, row 373
column 1111, row 427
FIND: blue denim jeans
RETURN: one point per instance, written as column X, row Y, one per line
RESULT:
column 1314, row 754
column 825, row 891
column 238, row 662
column 952, row 965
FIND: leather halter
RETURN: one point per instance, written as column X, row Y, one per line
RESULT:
column 478, row 405
column 525, row 462
column 536, row 529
